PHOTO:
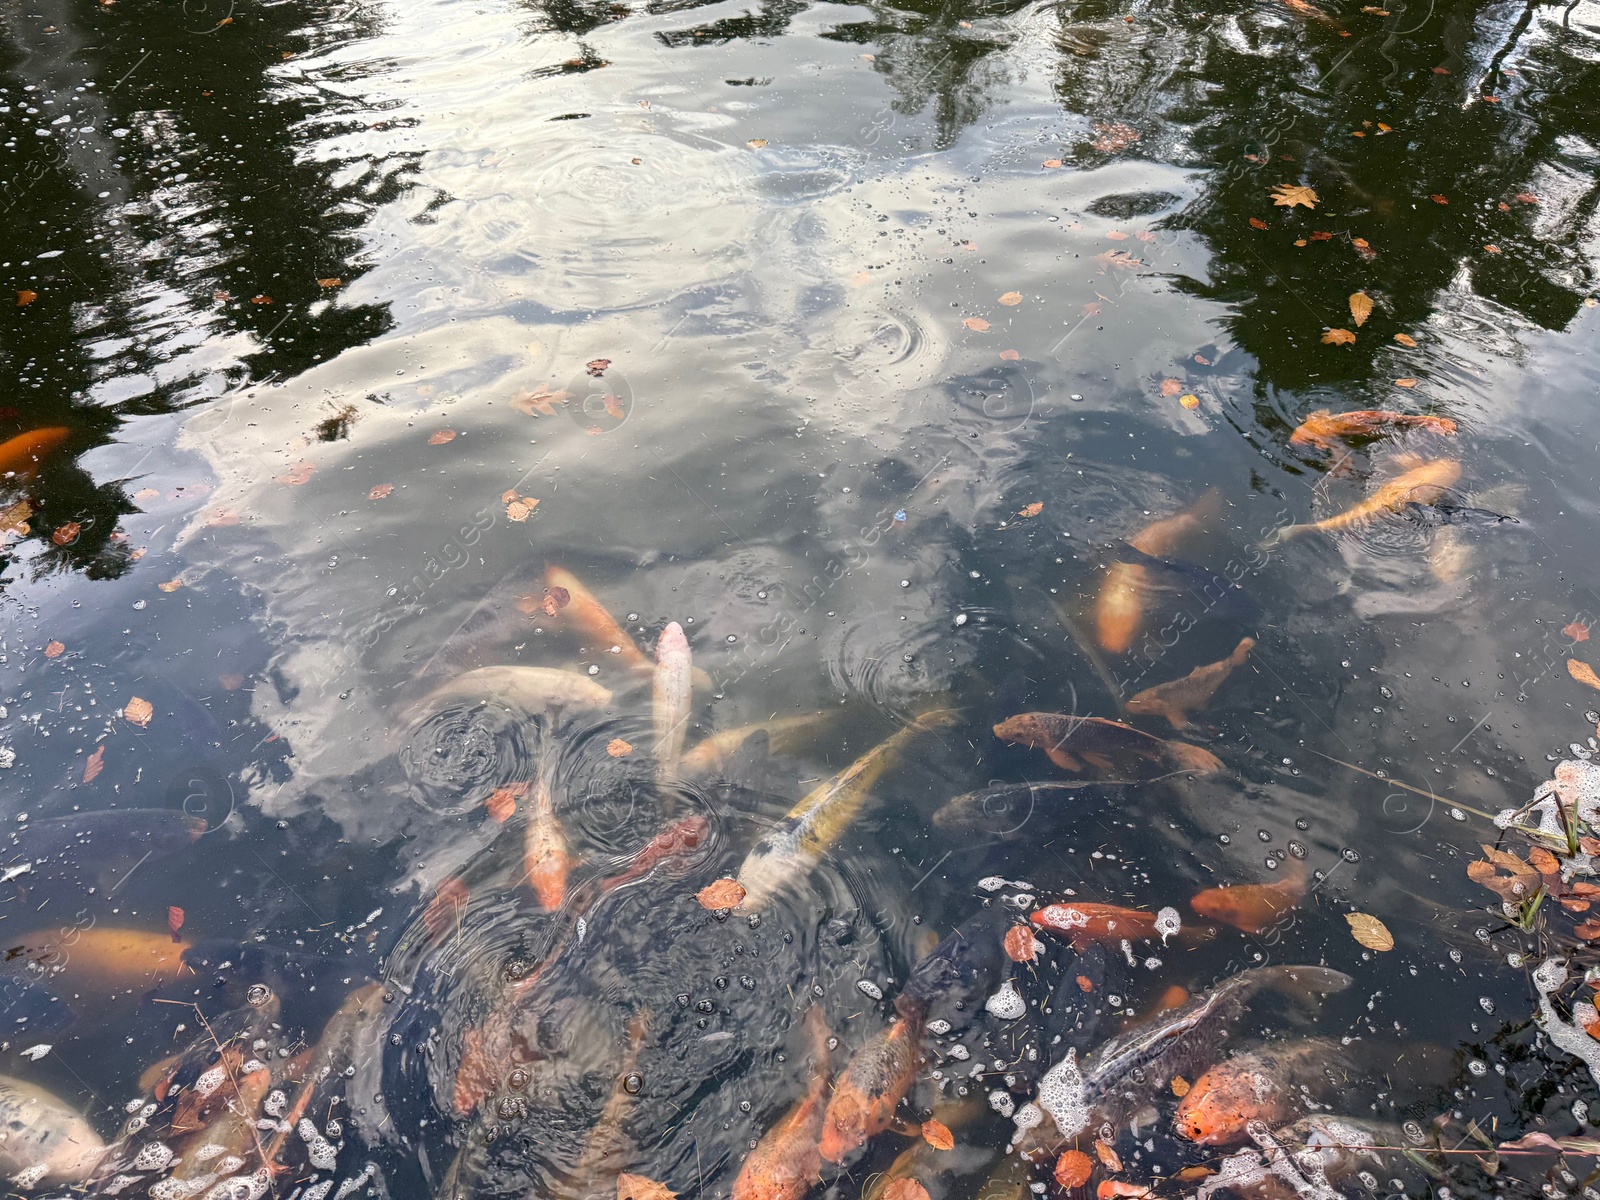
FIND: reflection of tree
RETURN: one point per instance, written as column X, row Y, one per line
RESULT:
column 149, row 208
column 1271, row 95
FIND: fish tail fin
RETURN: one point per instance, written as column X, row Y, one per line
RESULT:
column 1194, row 758
column 1242, row 651
column 1283, row 534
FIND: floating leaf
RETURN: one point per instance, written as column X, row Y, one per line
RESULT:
column 1492, row 248
column 444, row 910
column 1438, row 199
column 1052, row 164
column 57, row 649
column 1180, row 1086
column 1085, row 984
column 138, row 711
column 520, row 509
column 1576, row 632
column 1258, row 223
column 1321, row 235
column 1021, row 945
column 1527, row 197
column 1287, row 195
column 330, row 282
column 1107, row 1156
column 1010, row 356
column 1532, row 1141
column 1369, row 931
column 1338, row 337
column 938, row 1135
column 1073, row 1169
column 170, row 585
column 25, row 298
column 1407, row 382
column 1171, row 387
column 297, row 474
column 381, row 491
column 1360, row 308
column 440, row 436
column 174, row 920
column 262, row 299
column 94, row 764
column 976, row 324
column 1405, row 339
column 642, row 1187
column 540, row 403
column 1011, row 299
column 66, row 534
column 1189, row 401
column 1116, row 235
column 617, row 748
column 502, row 802
column 1583, row 673
column 721, row 894
column 597, row 366
column 1364, row 248
column 756, row 143
column 1032, row 510
column 14, row 520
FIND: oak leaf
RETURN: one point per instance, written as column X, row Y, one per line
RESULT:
column 1288, row 195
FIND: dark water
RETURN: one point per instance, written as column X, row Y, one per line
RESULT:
column 890, row 298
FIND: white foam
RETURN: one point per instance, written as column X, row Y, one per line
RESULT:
column 1168, row 923
column 153, row 1156
column 1007, row 1003
column 1000, row 1100
column 1062, row 1094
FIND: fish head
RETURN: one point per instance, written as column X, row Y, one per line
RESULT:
column 1227, row 1098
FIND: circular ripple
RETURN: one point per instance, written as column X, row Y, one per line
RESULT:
column 454, row 757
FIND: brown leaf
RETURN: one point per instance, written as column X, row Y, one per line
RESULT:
column 1360, row 308
column 1073, row 1169
column 1405, row 339
column 1370, row 932
column 937, row 1134
column 520, row 510
column 1032, row 510
column 1492, row 248
column 1530, row 1141
column 1577, row 631
column 1258, row 223
column 297, row 474
column 1052, row 164
column 1543, row 861
column 617, row 748
column 262, row 299
column 138, row 711
column 231, row 683
column 539, row 403
column 440, row 436
column 613, row 407
column 380, row 491
column 641, row 1187
column 222, row 516
column 1144, row 235
column 555, row 599
column 1180, row 1086
column 1527, row 197
column 1441, row 70
column 1010, row 356
column 1321, row 235
column 1364, row 248
column 55, row 649
column 1338, row 337
column 597, row 366
column 1438, row 199
column 170, row 585
column 1588, row 931
column 976, row 324
column 14, row 519
column 1011, row 299
column 905, row 1188
column 724, row 893
column 1583, row 673
column 174, row 920
column 444, row 910
column 25, row 298
column 1021, row 945
column 332, row 281
column 1171, row 387
column 1287, row 195
column 94, row 764
column 1085, row 984
column 66, row 534
column 1107, row 1156
column 502, row 802
column 1116, row 235
column 1407, row 382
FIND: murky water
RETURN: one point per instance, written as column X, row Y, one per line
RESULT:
column 869, row 344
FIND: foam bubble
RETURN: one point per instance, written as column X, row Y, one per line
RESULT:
column 1062, row 1094
column 1007, row 1003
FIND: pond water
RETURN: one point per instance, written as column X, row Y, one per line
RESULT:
column 360, row 349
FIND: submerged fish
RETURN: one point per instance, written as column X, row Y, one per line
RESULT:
column 787, row 1162
column 1322, row 427
column 100, row 957
column 785, row 735
column 1086, row 924
column 1252, row 907
column 103, row 847
column 1120, row 606
column 874, row 1082
column 545, row 860
column 1071, row 742
column 1266, row 1084
column 784, row 857
column 951, row 981
column 592, row 617
column 41, row 1139
column 534, row 690
column 1422, row 482
column 607, row 1149
column 1177, row 699
column 669, row 698
column 23, row 452
column 685, row 834
column 1005, row 809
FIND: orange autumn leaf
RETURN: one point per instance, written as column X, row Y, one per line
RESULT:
column 330, row 282
column 1321, row 235
column 138, row 711
column 1527, row 197
column 617, row 748
column 1543, row 861
column 445, row 909
column 170, row 585
column 1171, row 387
column 1107, row 1156
column 1073, row 1169
column 1180, row 1086
column 1407, row 382
column 1583, row 673
column 1288, row 195
column 1116, row 235
column 1052, row 164
column 721, row 894
column 502, row 802
column 1011, row 299
column 1189, row 401
column 1576, row 632
column 262, row 299
column 441, row 436
column 1021, row 945
column 1405, row 339
column 380, row 491
column 520, row 509
column 1257, row 223
column 1032, row 510
column 55, row 649
column 1010, row 356
column 297, row 474
column 1144, row 235
column 1492, row 248
column 642, row 1187
column 1363, row 248
column 1338, row 337
column 94, row 764
column 1438, row 199
column 1300, row 242
column 938, row 1135
column 1360, row 308
column 1085, row 984
column 174, row 920
column 25, row 298
column 66, row 534
column 1115, row 1187
column 976, row 324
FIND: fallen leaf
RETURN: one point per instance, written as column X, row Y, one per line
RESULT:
column 57, row 649
column 66, row 534
column 756, row 143
column 1407, row 382
column 1441, row 71
column 520, row 510
column 1357, row 133
column 1258, row 223
column 641, row 1187
column 1583, row 673
column 1438, row 199
column 540, row 403
column 1021, row 945
column 1300, row 242
column 25, row 298
column 937, row 1134
column 1112, row 136
column 1321, row 235
column 170, row 585
column 1073, row 1169
column 1492, row 248
column 1405, row 339
column 1171, row 387
column 222, row 516
column 144, row 494
column 262, row 299
column 1543, row 861
column 1576, row 632
column 1116, row 235
column 1527, row 197
column 174, row 920
column 1382, row 128
column 1011, row 299
column 1338, row 337
column 1588, row 931
column 1180, row 1086
column 722, row 894
column 231, row 683
column 613, row 407
column 905, row 1189
column 1188, row 1174
column 380, row 491
column 440, row 436
column 297, row 474
column 1369, row 931
column 502, row 802
column 597, row 366
column 1032, row 510
column 1532, row 1141
column 1091, row 309
column 331, row 282
column 1360, row 308
column 1107, row 1156
column 94, row 764
column 1010, row 356
column 1051, row 164
column 1287, row 195
column 1364, row 248
column 976, row 324
column 1189, row 400
column 444, row 910
column 138, row 711
column 1144, row 235
column 1085, row 984
column 617, row 748
column 1487, row 99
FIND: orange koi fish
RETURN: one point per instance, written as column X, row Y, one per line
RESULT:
column 1086, row 924
column 1252, row 907
column 871, row 1088
column 1423, row 482
column 1263, row 1085
column 787, row 1162
column 544, row 850
column 1175, row 700
column 1321, row 428
column 592, row 617
column 23, row 452
column 1071, row 742
column 101, row 957
column 1119, row 610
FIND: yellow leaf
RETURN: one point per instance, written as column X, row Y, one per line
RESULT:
column 1405, row 339
column 1338, row 337
column 1189, row 400
column 1370, row 932
column 138, row 712
column 1011, row 298
column 1583, row 673
column 1287, row 195
column 1360, row 308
